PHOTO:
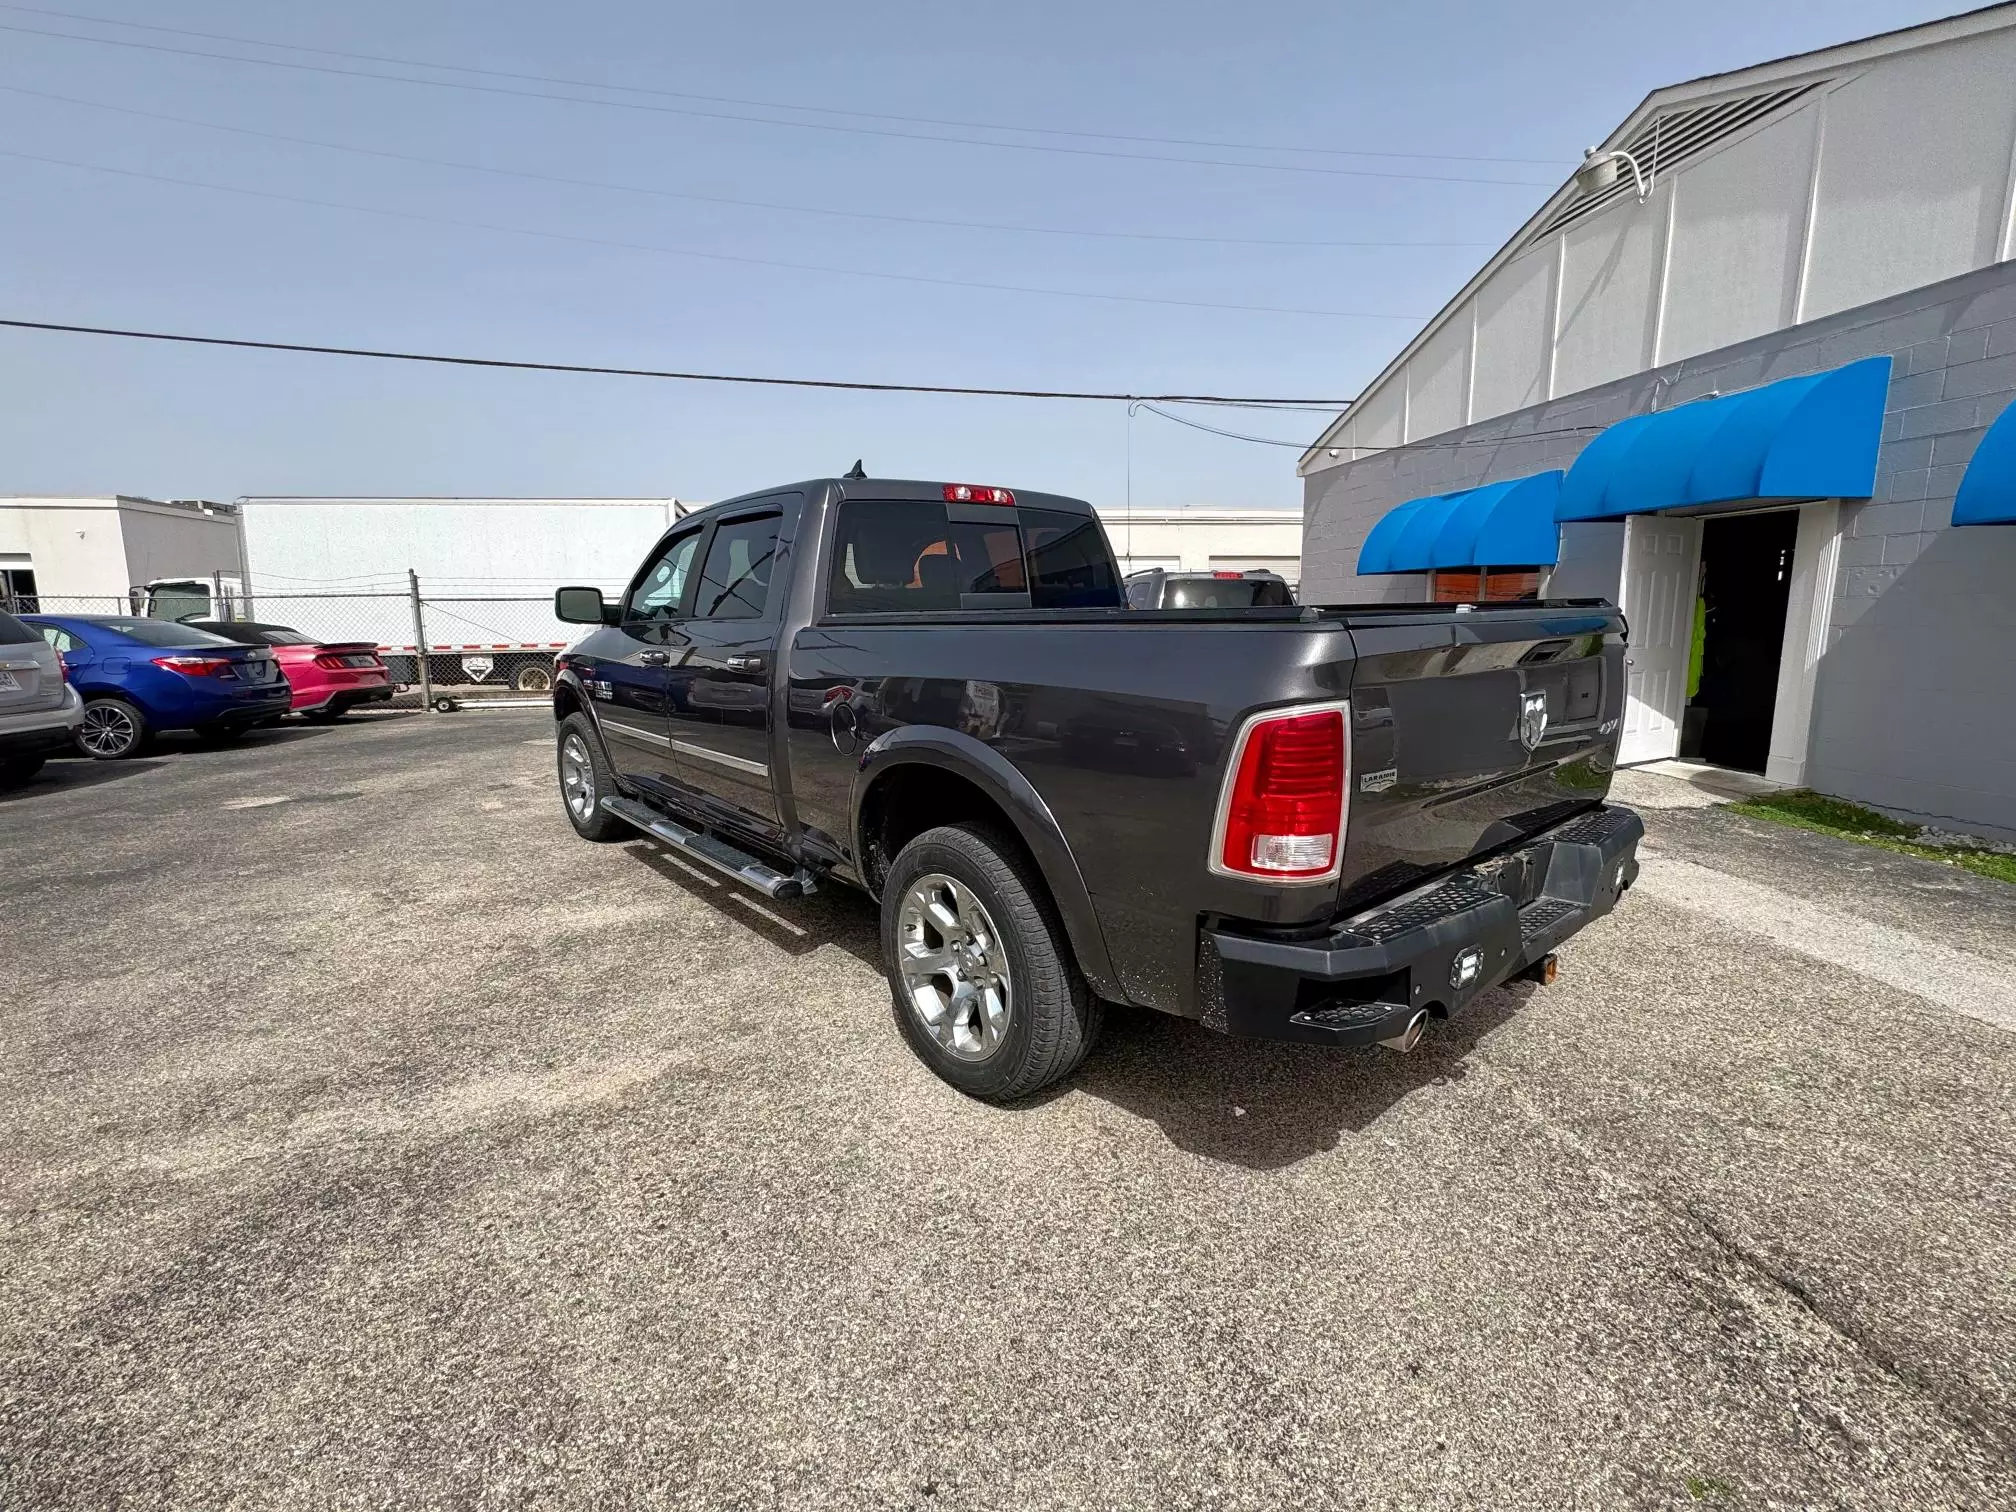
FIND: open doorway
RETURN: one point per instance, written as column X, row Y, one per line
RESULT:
column 1739, row 638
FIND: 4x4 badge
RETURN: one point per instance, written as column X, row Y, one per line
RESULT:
column 1532, row 719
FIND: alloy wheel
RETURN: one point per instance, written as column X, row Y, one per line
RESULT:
column 954, row 967
column 108, row 730
column 577, row 778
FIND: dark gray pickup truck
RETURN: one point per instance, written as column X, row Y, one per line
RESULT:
column 1326, row 824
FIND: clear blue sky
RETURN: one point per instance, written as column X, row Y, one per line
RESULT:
column 83, row 414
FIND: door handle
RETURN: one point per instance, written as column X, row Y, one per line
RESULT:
column 655, row 658
column 746, row 663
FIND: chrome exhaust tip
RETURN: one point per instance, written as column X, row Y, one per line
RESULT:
column 1409, row 1037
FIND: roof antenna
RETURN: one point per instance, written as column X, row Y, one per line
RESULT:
column 854, row 471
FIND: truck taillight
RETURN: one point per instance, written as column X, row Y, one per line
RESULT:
column 1281, row 817
column 976, row 493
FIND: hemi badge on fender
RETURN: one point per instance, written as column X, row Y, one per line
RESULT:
column 1378, row 782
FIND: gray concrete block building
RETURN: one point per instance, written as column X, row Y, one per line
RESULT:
column 1746, row 361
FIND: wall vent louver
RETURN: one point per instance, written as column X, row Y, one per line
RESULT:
column 1665, row 142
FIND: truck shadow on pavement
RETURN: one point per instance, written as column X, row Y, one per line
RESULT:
column 1253, row 1103
column 835, row 915
column 1262, row 1104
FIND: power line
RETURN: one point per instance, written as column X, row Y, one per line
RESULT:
column 1474, row 441
column 708, row 199
column 674, row 94
column 715, row 115
column 723, row 257
column 623, row 372
column 1230, row 435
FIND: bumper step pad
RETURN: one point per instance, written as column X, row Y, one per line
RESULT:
column 1437, row 949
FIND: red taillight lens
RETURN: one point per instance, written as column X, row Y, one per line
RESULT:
column 975, row 493
column 1284, row 809
column 195, row 666
column 1227, row 574
column 332, row 662
column 62, row 667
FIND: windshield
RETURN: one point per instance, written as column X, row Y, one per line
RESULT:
column 1226, row 593
column 163, row 633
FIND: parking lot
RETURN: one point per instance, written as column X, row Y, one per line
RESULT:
column 372, row 1141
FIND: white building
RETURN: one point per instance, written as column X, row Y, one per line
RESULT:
column 1202, row 539
column 102, row 548
column 1818, row 246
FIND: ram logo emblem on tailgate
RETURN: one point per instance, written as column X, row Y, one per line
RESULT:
column 1532, row 719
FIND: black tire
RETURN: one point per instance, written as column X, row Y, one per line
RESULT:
column 221, row 734
column 324, row 716
column 533, row 678
column 1053, row 1017
column 15, row 770
column 113, row 730
column 579, row 755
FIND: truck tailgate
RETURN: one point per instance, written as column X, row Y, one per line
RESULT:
column 1472, row 731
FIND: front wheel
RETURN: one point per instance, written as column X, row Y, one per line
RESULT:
column 585, row 780
column 112, row 730
column 980, row 970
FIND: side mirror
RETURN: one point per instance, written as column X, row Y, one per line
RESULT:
column 580, row 606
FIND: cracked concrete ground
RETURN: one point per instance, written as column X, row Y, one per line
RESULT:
column 386, row 1146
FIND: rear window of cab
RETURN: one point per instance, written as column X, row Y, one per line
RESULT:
column 916, row 556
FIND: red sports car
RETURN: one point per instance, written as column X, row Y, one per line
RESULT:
column 329, row 678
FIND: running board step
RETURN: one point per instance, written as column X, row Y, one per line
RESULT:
column 711, row 850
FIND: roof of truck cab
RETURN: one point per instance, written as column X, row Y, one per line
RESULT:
column 898, row 488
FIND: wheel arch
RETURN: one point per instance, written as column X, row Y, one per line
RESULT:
column 919, row 776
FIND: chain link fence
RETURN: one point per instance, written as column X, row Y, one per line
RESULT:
column 466, row 645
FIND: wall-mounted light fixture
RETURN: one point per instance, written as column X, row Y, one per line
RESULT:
column 1599, row 171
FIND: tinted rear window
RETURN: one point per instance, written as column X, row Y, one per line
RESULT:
column 13, row 632
column 162, row 632
column 905, row 556
column 911, row 556
column 1225, row 593
column 1070, row 564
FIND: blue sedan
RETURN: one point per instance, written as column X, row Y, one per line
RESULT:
column 140, row 676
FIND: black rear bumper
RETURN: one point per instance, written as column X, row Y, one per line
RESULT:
column 1435, row 950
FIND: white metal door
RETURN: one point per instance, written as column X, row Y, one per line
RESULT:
column 1662, row 571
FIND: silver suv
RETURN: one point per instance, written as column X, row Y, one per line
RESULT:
column 39, row 710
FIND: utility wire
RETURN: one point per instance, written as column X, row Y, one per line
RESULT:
column 709, row 199
column 716, row 115
column 722, row 257
column 1305, row 446
column 623, row 372
column 866, row 115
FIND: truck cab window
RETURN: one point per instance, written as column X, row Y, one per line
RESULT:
column 735, row 583
column 1070, row 566
column 661, row 592
column 905, row 556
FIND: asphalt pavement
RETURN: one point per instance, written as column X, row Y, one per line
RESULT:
column 371, row 1141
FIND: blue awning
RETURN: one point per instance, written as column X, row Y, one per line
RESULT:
column 1800, row 438
column 1988, row 488
column 1508, row 524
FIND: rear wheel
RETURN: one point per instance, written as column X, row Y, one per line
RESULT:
column 980, row 970
column 18, row 769
column 221, row 734
column 585, row 780
column 324, row 715
column 112, row 730
column 534, row 679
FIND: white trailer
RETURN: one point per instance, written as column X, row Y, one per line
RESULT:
column 346, row 568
